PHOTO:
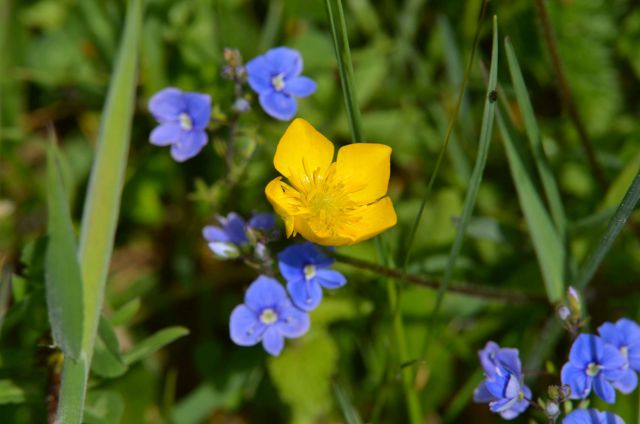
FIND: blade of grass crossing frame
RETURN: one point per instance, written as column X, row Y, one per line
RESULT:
column 535, row 142
column 62, row 278
column 345, row 65
column 348, row 411
column 546, row 241
column 101, row 209
column 486, row 130
column 616, row 224
column 343, row 55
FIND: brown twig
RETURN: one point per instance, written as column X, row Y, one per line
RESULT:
column 567, row 95
column 462, row 288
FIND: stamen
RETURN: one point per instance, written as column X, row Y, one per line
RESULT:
column 278, row 82
column 309, row 272
column 185, row 122
column 268, row 316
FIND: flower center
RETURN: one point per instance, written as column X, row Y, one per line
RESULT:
column 309, row 272
column 593, row 369
column 278, row 82
column 185, row 122
column 624, row 350
column 268, row 316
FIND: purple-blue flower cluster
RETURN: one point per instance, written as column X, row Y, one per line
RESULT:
column 503, row 387
column 270, row 313
column 184, row 116
column 604, row 363
column 591, row 416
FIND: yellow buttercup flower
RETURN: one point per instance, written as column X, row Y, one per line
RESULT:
column 331, row 203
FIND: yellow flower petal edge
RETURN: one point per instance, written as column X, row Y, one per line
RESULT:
column 331, row 203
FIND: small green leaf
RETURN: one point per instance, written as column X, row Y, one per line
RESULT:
column 150, row 345
column 125, row 313
column 10, row 392
column 62, row 277
column 107, row 361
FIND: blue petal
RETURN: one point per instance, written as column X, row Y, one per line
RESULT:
column 502, row 404
column 482, row 395
column 244, row 326
column 272, row 341
column 586, row 349
column 262, row 221
column 166, row 134
column 198, row 106
column 264, row 292
column 300, row 86
column 612, row 362
column 330, row 279
column 487, row 357
column 224, row 250
column 509, row 359
column 234, row 227
column 213, row 233
column 610, row 334
column 292, row 322
column 259, row 74
column 591, row 416
column 278, row 105
column 283, row 60
column 167, row 105
column 577, row 379
column 306, row 295
column 628, row 382
column 512, row 389
column 516, row 409
column 604, row 389
column 190, row 146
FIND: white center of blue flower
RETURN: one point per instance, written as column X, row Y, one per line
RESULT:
column 309, row 272
column 624, row 350
column 185, row 122
column 593, row 369
column 268, row 316
column 278, row 82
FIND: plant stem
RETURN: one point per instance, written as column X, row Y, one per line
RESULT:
column 462, row 288
column 567, row 95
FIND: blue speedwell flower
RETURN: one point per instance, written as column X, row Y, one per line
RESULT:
column 226, row 240
column 593, row 363
column 267, row 316
column 625, row 336
column 183, row 118
column 591, row 416
column 503, row 386
column 275, row 76
column 304, row 266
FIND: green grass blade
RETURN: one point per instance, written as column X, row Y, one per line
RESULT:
column 154, row 343
column 348, row 411
column 101, row 210
column 102, row 204
column 62, row 278
column 486, row 130
column 616, row 224
column 345, row 65
column 535, row 142
column 546, row 241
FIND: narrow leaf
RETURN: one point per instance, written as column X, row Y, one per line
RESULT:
column 535, row 142
column 150, row 345
column 546, row 241
column 62, row 277
column 125, row 313
column 348, row 411
column 107, row 361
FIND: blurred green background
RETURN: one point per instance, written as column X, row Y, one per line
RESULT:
column 409, row 59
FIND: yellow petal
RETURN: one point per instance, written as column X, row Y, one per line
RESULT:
column 376, row 218
column 302, row 150
column 306, row 231
column 365, row 168
column 281, row 202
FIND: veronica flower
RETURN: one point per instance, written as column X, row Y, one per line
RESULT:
column 593, row 364
column 331, row 203
column 304, row 266
column 591, row 416
column 275, row 76
column 625, row 336
column 226, row 240
column 183, row 118
column 266, row 316
column 503, row 387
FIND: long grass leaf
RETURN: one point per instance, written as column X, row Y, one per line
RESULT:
column 486, row 130
column 62, row 277
column 535, row 142
column 546, row 240
column 153, row 343
column 348, row 411
column 616, row 224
